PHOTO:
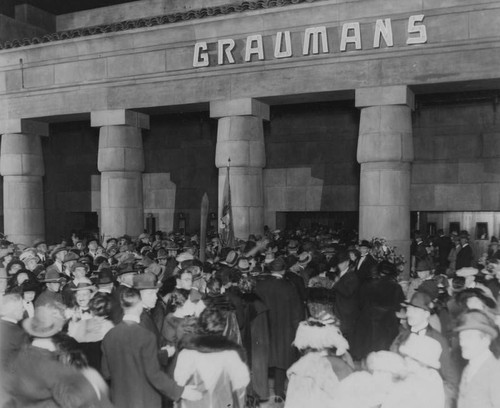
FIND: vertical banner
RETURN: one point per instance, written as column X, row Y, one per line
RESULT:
column 227, row 226
column 203, row 226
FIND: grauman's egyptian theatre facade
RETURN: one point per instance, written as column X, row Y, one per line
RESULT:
column 382, row 112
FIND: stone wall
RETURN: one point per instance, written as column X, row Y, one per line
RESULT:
column 70, row 155
column 182, row 145
column 311, row 159
column 457, row 152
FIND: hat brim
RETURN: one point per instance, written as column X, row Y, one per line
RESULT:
column 142, row 287
column 55, row 328
column 92, row 288
column 481, row 327
column 408, row 303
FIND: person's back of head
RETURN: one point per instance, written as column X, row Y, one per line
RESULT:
column 212, row 321
column 130, row 301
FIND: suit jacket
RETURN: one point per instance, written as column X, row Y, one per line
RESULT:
column 482, row 389
column 464, row 257
column 364, row 270
column 12, row 339
column 130, row 361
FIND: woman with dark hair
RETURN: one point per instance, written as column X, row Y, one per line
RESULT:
column 90, row 332
column 180, row 320
column 213, row 363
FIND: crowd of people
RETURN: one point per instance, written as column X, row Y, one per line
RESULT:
column 309, row 317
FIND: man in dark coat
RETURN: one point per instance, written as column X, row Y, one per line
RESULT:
column 286, row 311
column 465, row 256
column 125, row 277
column 418, row 313
column 366, row 262
column 130, row 361
column 12, row 336
column 346, row 290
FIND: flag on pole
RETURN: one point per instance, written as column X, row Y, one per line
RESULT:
column 227, row 227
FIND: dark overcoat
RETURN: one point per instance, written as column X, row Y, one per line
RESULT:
column 130, row 360
column 346, row 308
column 285, row 312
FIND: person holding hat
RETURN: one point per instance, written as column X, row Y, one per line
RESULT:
column 465, row 255
column 286, row 311
column 130, row 361
column 418, row 314
column 41, row 250
column 479, row 383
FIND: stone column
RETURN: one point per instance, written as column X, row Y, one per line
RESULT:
column 240, row 137
column 385, row 152
column 22, row 168
column 121, row 163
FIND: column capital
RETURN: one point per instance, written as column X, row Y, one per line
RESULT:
column 239, row 107
column 119, row 117
column 385, row 95
column 25, row 126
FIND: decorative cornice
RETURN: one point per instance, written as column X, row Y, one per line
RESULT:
column 151, row 22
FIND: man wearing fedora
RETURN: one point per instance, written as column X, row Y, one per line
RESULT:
column 52, row 292
column 57, row 256
column 366, row 262
column 130, row 361
column 125, row 277
column 418, row 314
column 479, row 383
column 146, row 284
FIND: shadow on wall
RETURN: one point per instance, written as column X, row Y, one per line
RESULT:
column 311, row 159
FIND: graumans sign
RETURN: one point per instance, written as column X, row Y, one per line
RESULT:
column 311, row 41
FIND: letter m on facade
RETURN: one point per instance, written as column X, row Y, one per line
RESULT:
column 315, row 35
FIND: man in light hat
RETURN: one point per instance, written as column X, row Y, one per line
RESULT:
column 479, row 384
column 418, row 314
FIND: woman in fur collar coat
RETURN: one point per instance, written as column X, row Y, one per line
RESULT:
column 214, row 364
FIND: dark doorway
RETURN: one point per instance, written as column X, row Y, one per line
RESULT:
column 338, row 220
column 86, row 224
